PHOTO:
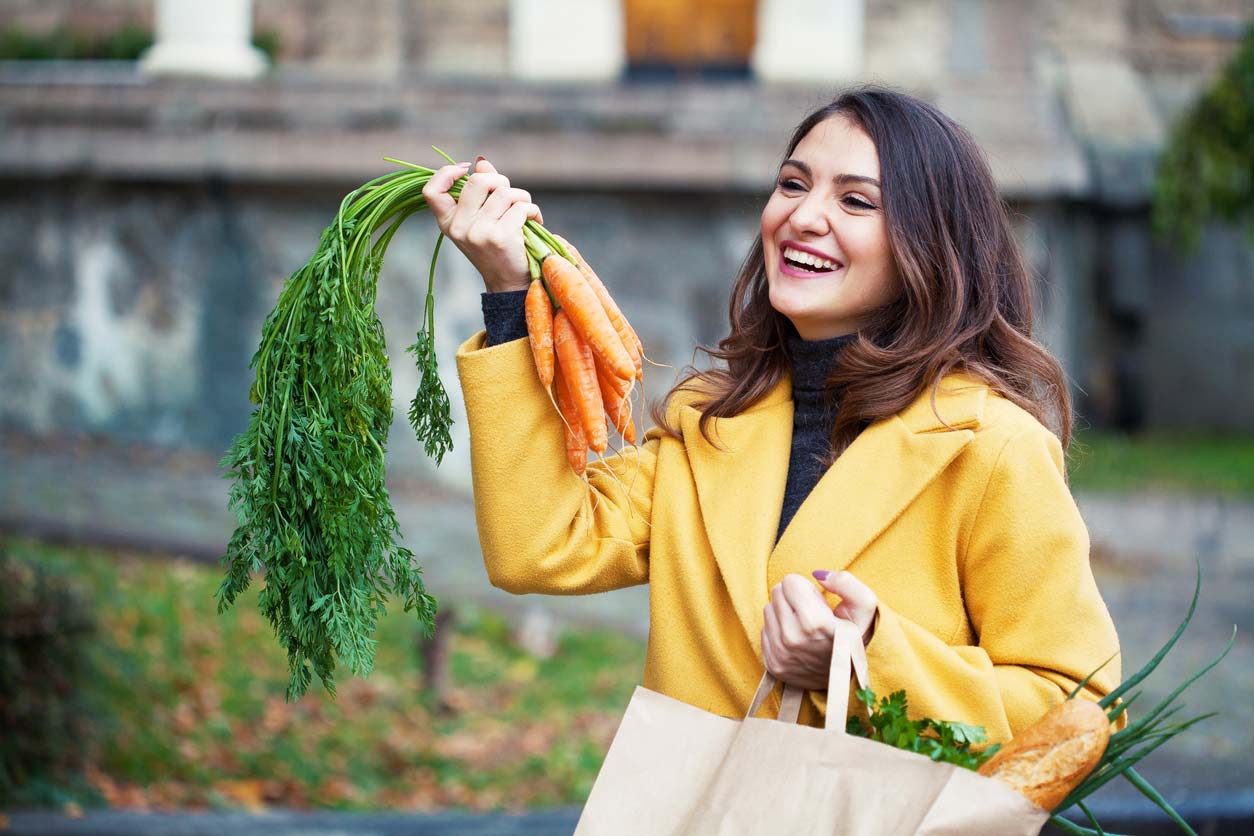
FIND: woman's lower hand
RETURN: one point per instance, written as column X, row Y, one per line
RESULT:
column 485, row 221
column 799, row 627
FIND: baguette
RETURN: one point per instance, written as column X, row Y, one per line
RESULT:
column 1053, row 755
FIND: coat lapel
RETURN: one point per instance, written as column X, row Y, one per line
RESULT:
column 741, row 487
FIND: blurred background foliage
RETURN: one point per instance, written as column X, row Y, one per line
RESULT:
column 1181, row 464
column 1206, row 171
column 126, row 43
column 121, row 688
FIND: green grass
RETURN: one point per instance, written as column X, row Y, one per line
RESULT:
column 189, row 709
column 1192, row 464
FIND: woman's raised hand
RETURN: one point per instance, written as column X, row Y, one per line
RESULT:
column 485, row 221
column 799, row 627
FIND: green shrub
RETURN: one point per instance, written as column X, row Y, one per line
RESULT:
column 45, row 624
column 1207, row 168
column 125, row 44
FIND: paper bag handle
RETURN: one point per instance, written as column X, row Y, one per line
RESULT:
column 848, row 658
column 789, row 704
column 847, row 651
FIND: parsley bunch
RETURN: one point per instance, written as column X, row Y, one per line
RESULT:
column 936, row 739
column 308, row 472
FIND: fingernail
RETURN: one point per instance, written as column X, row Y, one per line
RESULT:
column 820, row 574
column 479, row 159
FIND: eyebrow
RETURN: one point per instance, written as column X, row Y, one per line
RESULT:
column 839, row 179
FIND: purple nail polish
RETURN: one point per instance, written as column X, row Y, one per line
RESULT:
column 821, row 574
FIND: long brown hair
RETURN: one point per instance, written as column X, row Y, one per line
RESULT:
column 966, row 300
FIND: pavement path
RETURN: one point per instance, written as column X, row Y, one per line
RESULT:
column 1144, row 553
column 1213, row 816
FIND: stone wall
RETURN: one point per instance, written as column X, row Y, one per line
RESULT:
column 129, row 311
column 100, row 16
column 459, row 38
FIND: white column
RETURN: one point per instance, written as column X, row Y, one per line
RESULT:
column 566, row 40
column 809, row 41
column 195, row 37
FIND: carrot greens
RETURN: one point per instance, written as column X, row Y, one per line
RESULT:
column 308, row 472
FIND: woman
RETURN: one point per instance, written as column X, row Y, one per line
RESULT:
column 878, row 423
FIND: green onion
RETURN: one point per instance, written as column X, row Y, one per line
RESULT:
column 1138, row 739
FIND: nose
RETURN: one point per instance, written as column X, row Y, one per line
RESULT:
column 810, row 216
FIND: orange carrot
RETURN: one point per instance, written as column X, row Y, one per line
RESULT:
column 575, row 361
column 575, row 296
column 539, row 310
column 622, row 387
column 625, row 332
column 576, row 438
column 618, row 408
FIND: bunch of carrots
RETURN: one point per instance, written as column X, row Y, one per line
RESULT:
column 587, row 354
column 308, row 471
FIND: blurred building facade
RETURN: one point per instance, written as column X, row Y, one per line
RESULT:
column 147, row 221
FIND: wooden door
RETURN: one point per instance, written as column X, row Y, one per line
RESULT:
column 690, row 36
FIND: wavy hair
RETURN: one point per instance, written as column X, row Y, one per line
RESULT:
column 966, row 300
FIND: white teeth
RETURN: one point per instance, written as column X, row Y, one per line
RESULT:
column 815, row 261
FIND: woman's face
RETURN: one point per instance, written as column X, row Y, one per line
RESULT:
column 828, row 264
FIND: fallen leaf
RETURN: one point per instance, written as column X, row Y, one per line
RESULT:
column 247, row 793
column 338, row 788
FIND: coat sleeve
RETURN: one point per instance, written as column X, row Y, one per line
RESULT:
column 1040, row 623
column 541, row 527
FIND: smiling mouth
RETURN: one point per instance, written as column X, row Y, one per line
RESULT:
column 797, row 262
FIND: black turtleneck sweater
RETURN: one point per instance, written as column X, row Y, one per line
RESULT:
column 813, row 413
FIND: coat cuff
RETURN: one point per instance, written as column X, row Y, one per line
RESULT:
column 505, row 315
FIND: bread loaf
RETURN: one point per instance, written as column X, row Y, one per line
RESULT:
column 1052, row 756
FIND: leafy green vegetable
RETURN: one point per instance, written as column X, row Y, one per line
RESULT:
column 308, row 472
column 936, row 739
column 429, row 411
column 1139, row 738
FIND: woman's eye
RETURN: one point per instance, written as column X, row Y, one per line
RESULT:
column 790, row 185
column 857, row 203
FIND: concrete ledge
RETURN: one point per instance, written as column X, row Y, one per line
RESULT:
column 112, row 122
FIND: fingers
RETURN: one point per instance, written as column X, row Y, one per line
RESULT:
column 497, row 204
column 797, row 633
column 517, row 215
column 475, row 193
column 439, row 201
column 808, row 605
column 789, row 629
column 858, row 601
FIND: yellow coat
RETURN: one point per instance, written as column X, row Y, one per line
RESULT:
column 988, row 611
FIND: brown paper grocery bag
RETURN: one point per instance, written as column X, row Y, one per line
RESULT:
column 675, row 769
